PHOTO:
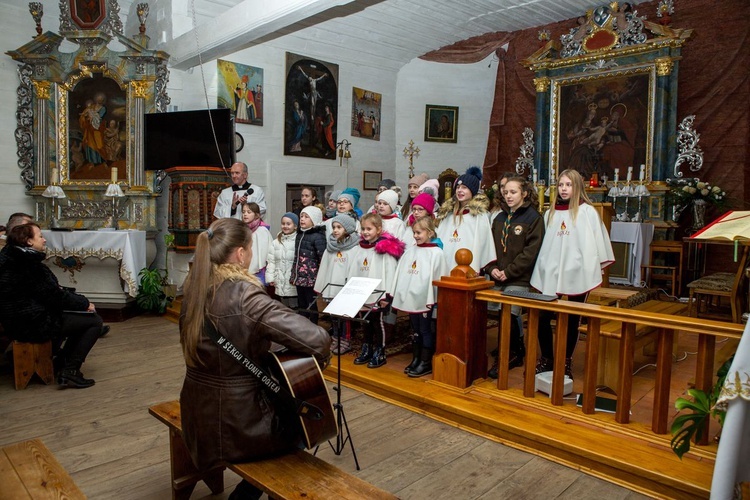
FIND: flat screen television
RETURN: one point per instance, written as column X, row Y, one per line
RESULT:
column 186, row 138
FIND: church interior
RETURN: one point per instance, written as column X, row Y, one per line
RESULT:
column 123, row 119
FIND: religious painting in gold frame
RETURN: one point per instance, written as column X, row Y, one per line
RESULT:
column 602, row 121
column 97, row 137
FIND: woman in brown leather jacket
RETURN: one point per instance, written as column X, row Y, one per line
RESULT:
column 225, row 414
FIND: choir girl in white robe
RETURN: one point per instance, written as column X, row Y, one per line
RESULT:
column 341, row 244
column 376, row 257
column 412, row 291
column 423, row 205
column 575, row 251
column 386, row 205
column 462, row 222
column 261, row 239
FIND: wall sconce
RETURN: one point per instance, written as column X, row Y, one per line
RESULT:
column 343, row 151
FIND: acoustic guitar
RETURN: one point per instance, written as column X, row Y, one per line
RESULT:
column 302, row 376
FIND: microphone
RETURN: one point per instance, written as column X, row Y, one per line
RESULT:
column 249, row 192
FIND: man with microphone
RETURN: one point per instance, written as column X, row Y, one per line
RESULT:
column 230, row 200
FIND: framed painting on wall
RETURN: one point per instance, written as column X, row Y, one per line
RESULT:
column 97, row 130
column 371, row 179
column 441, row 123
column 88, row 14
column 366, row 114
column 311, row 107
column 603, row 121
column 240, row 88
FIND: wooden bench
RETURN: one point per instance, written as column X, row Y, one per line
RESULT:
column 29, row 470
column 610, row 331
column 29, row 359
column 617, row 297
column 296, row 475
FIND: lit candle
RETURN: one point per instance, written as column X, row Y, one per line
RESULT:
column 114, row 175
column 55, row 177
column 534, row 176
column 630, row 174
column 643, row 173
column 617, row 175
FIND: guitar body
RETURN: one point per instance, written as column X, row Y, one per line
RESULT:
column 303, row 378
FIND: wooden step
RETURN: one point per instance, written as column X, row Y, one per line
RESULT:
column 629, row 455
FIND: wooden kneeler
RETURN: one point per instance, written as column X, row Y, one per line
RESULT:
column 29, row 359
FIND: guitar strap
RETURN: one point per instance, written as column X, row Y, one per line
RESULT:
column 303, row 408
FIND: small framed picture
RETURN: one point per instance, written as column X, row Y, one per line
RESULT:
column 371, row 179
column 441, row 123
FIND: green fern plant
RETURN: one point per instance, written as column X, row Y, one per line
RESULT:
column 691, row 426
column 151, row 296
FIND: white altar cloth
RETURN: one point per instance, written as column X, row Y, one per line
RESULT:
column 733, row 455
column 128, row 247
column 639, row 236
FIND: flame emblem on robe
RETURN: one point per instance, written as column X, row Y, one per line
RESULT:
column 364, row 262
column 414, row 265
column 338, row 255
column 455, row 233
column 563, row 227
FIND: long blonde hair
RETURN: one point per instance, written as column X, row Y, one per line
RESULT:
column 213, row 247
column 577, row 197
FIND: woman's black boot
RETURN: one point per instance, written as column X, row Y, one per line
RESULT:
column 72, row 377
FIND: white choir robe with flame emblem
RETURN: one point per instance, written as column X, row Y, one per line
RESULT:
column 334, row 268
column 412, row 289
column 573, row 254
column 367, row 263
column 472, row 232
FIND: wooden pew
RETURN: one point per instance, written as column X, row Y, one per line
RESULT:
column 296, row 475
column 29, row 470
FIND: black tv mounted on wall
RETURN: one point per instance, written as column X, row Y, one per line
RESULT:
column 186, row 138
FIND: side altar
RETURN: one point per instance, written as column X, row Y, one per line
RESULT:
column 80, row 143
column 80, row 117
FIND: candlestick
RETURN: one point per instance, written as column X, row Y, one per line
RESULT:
column 534, row 176
column 630, row 174
column 55, row 177
column 114, row 175
column 642, row 176
column 617, row 175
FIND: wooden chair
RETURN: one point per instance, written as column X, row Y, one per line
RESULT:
column 446, row 178
column 29, row 359
column 718, row 285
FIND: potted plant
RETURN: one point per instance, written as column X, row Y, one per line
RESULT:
column 155, row 293
column 691, row 426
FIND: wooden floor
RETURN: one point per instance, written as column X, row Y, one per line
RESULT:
column 113, row 449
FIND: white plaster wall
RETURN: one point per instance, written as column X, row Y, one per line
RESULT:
column 264, row 146
column 405, row 94
column 471, row 87
column 17, row 29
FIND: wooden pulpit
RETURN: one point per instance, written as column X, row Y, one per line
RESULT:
column 461, row 354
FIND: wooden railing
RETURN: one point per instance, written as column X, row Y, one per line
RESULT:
column 666, row 325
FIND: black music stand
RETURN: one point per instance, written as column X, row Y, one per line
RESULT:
column 338, row 406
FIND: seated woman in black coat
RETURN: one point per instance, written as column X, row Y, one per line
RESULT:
column 35, row 308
